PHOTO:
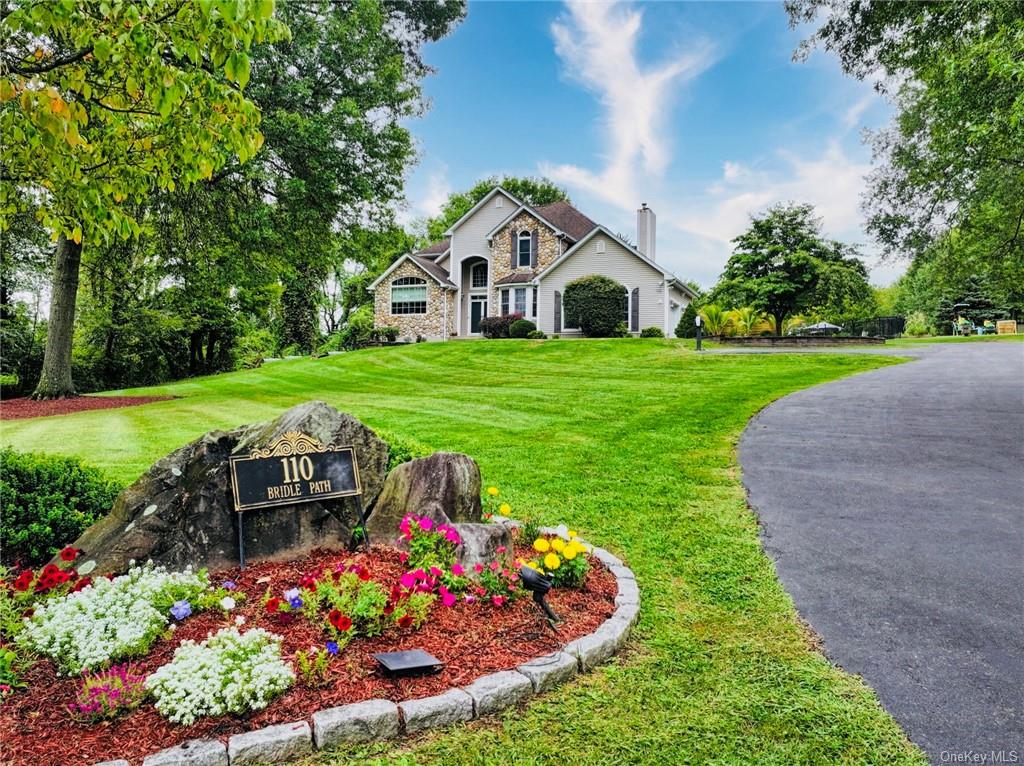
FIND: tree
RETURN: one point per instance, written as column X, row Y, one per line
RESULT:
column 714, row 318
column 954, row 155
column 102, row 106
column 596, row 304
column 782, row 265
column 532, row 191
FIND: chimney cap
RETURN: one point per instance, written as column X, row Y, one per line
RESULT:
column 643, row 205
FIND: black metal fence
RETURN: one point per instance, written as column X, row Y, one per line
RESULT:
column 884, row 327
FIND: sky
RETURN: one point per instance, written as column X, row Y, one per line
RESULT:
column 696, row 109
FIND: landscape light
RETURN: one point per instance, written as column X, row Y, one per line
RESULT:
column 539, row 585
column 414, row 662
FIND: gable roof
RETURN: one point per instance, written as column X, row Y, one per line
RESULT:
column 567, row 218
column 672, row 278
column 479, row 205
column 436, row 249
column 430, row 268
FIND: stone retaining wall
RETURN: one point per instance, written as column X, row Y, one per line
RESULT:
column 377, row 719
column 800, row 341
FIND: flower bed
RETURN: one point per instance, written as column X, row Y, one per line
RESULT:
column 467, row 620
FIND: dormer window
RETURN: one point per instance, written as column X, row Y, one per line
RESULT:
column 599, row 246
column 499, row 201
column 525, row 250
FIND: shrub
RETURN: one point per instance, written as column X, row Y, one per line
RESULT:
column 687, row 327
column 536, row 335
column 521, row 328
column 917, row 325
column 109, row 693
column 652, row 332
column 565, row 562
column 498, row 327
column 619, row 331
column 402, row 449
column 358, row 331
column 595, row 303
column 253, row 347
column 388, row 334
column 47, row 501
column 229, row 672
column 111, row 619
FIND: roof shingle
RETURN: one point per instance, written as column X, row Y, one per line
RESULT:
column 567, row 218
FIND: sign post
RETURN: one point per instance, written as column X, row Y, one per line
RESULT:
column 697, row 322
column 295, row 468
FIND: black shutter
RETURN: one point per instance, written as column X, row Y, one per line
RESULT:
column 512, row 249
column 533, row 248
column 634, row 311
column 558, row 312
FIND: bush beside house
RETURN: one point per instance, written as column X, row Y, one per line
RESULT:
column 596, row 303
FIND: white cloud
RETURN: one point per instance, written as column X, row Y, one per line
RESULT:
column 853, row 113
column 438, row 191
column 597, row 43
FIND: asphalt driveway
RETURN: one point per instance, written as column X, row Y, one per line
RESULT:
column 893, row 505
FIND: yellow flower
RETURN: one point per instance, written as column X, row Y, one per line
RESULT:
column 532, row 564
column 492, row 491
column 504, row 509
column 541, row 545
column 572, row 533
column 551, row 561
column 569, row 553
column 558, row 544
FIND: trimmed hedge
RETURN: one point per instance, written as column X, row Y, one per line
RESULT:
column 652, row 332
column 521, row 328
column 498, row 327
column 401, row 449
column 46, row 502
column 536, row 335
column 597, row 304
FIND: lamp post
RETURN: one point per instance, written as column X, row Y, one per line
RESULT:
column 697, row 321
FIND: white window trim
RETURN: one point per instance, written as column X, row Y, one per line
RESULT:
column 487, row 275
column 391, row 297
column 528, row 236
column 599, row 246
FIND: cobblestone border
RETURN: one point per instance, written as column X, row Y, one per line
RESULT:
column 376, row 719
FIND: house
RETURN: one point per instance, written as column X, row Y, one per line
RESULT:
column 505, row 257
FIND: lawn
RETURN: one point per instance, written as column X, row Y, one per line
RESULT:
column 631, row 442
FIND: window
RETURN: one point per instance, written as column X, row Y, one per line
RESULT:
column 599, row 246
column 520, row 301
column 625, row 308
column 525, row 257
column 409, row 296
column 478, row 276
column 533, row 305
column 499, row 201
column 504, row 302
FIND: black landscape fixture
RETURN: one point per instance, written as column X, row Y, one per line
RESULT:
column 414, row 662
column 696, row 321
column 539, row 585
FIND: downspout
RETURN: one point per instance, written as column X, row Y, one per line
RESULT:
column 444, row 327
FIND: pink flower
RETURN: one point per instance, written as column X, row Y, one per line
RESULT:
column 447, row 597
column 435, row 572
column 495, row 566
column 458, row 570
column 408, row 580
column 426, row 524
column 403, row 557
column 452, row 536
column 419, row 574
column 470, row 599
column 497, row 600
column 404, row 527
column 478, row 568
column 502, row 549
column 424, row 587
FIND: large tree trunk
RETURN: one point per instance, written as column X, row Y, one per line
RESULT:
column 779, row 319
column 55, row 381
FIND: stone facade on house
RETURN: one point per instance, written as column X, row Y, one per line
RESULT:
column 430, row 325
column 549, row 247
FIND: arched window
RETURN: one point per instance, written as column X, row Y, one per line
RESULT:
column 478, row 275
column 525, row 251
column 409, row 296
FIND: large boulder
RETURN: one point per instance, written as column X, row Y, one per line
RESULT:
column 444, row 486
column 180, row 511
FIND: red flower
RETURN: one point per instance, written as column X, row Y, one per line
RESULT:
column 273, row 604
column 24, row 580
column 307, row 581
column 82, row 584
column 61, row 577
column 69, row 554
column 389, row 608
column 364, row 574
column 405, row 621
column 50, row 569
column 339, row 621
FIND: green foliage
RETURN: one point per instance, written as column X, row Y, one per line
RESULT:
column 652, row 332
column 532, row 191
column 498, row 327
column 714, row 319
column 12, row 666
column 571, row 573
column 596, row 304
column 358, row 331
column 314, row 667
column 917, row 325
column 744, row 319
column 687, row 326
column 521, row 328
column 402, row 449
column 536, row 335
column 782, row 265
column 47, row 502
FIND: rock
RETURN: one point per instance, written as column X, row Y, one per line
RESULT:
column 498, row 691
column 595, row 648
column 480, row 543
column 550, row 671
column 441, row 710
column 359, row 722
column 113, row 763
column 444, row 486
column 194, row 752
column 274, row 744
column 180, row 511
column 628, row 592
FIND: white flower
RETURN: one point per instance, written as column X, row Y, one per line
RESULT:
column 240, row 620
column 227, row 603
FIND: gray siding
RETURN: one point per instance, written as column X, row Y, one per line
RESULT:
column 616, row 262
column 470, row 238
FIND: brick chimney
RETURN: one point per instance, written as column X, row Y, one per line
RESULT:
column 646, row 231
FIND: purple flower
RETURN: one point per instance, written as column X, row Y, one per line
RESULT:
column 181, row 610
column 228, row 585
column 295, row 603
column 332, row 647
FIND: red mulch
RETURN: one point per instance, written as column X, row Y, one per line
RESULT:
column 19, row 409
column 471, row 639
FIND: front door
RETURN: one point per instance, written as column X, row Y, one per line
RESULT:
column 477, row 311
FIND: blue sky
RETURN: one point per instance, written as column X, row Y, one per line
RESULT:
column 695, row 108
